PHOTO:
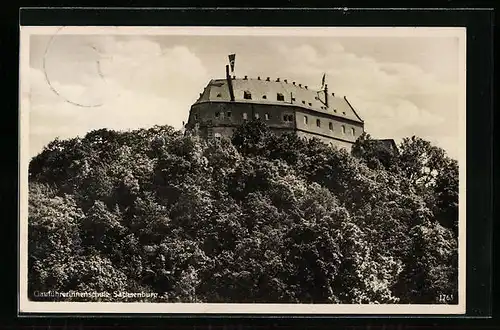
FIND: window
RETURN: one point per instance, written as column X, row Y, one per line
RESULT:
column 330, row 126
column 310, row 104
column 318, row 122
column 353, row 131
column 264, row 96
column 247, row 95
column 195, row 116
column 293, row 99
column 305, row 120
column 334, row 110
column 257, row 116
column 218, row 95
column 245, row 116
column 280, row 97
column 217, row 114
column 343, row 129
column 229, row 114
column 266, row 116
column 217, row 135
column 303, row 102
column 343, row 112
column 287, row 117
column 222, row 115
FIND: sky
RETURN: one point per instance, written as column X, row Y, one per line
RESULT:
column 400, row 85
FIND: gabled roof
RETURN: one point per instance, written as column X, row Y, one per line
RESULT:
column 265, row 92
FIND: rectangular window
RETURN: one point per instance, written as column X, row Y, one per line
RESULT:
column 330, row 126
column 305, row 120
column 195, row 116
column 257, row 116
column 245, row 116
column 266, row 116
column 353, row 131
column 280, row 97
column 247, row 95
column 343, row 129
column 217, row 135
column 217, row 114
column 318, row 122
column 229, row 114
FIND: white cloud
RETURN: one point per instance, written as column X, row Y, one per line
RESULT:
column 394, row 99
column 141, row 85
column 146, row 81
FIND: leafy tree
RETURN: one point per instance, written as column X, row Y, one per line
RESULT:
column 258, row 218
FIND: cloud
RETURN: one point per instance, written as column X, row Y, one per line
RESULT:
column 395, row 99
column 142, row 81
column 138, row 84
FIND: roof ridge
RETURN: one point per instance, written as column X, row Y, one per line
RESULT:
column 352, row 108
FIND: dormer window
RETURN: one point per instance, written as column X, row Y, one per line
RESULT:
column 280, row 97
column 343, row 112
column 264, row 97
column 293, row 99
column 303, row 102
column 310, row 104
column 247, row 95
column 219, row 95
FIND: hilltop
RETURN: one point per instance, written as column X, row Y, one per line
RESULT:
column 255, row 218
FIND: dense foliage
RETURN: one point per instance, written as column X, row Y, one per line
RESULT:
column 260, row 218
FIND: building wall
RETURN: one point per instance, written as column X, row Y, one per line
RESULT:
column 326, row 140
column 225, row 124
column 324, row 128
column 206, row 112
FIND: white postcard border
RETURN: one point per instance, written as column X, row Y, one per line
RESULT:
column 27, row 306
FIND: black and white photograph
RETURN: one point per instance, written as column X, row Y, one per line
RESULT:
column 266, row 170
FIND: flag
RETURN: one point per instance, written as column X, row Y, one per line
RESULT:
column 323, row 80
column 231, row 61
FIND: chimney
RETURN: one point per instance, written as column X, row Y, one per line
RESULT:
column 268, row 79
column 229, row 83
column 326, row 95
column 246, row 77
column 278, row 79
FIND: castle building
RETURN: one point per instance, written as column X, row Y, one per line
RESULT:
column 285, row 106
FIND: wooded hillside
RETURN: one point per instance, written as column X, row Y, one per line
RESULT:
column 260, row 218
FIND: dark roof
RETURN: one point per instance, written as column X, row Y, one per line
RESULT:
column 388, row 143
column 218, row 91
